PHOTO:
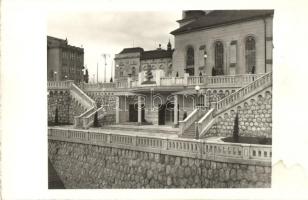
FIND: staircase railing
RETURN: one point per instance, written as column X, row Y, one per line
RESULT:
column 205, row 122
column 101, row 112
column 83, row 97
column 230, row 100
column 190, row 119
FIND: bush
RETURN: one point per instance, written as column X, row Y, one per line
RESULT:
column 236, row 129
column 95, row 122
column 56, row 117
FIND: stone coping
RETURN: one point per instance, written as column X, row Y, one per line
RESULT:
column 202, row 149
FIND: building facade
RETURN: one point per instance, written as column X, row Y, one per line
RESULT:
column 130, row 61
column 64, row 61
column 127, row 63
column 224, row 42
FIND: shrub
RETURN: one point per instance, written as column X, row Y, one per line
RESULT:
column 95, row 122
column 56, row 117
column 236, row 129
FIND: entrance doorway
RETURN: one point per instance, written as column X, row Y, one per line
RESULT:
column 133, row 113
column 166, row 114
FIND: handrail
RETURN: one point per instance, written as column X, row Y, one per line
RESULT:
column 205, row 121
column 84, row 96
column 188, row 121
column 212, row 150
column 260, row 82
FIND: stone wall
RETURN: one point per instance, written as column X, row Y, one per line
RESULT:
column 67, row 107
column 90, row 166
column 107, row 120
column 255, row 117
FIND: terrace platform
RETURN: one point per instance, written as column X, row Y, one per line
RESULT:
column 132, row 129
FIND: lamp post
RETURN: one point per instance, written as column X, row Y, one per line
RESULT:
column 197, row 88
column 55, row 76
column 205, row 57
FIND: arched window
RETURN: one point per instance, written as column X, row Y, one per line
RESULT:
column 190, row 60
column 250, row 54
column 121, row 73
column 219, row 58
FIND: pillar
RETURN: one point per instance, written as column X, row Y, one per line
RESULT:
column 176, row 116
column 139, row 110
column 204, row 100
column 117, row 109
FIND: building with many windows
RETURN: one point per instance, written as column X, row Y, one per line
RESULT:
column 130, row 61
column 64, row 61
column 224, row 42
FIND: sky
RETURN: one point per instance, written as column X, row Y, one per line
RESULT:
column 107, row 32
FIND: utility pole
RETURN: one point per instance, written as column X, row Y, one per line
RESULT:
column 105, row 58
column 96, row 73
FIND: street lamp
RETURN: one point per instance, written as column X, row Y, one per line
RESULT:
column 55, row 76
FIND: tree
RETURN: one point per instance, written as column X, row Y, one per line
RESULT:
column 236, row 129
column 95, row 122
column 86, row 76
column 56, row 117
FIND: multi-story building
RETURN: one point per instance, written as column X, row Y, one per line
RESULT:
column 158, row 59
column 64, row 61
column 224, row 42
column 130, row 61
column 127, row 62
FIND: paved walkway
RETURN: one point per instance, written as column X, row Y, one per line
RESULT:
column 143, row 130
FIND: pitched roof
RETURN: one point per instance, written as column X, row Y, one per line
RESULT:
column 222, row 17
column 132, row 50
column 155, row 54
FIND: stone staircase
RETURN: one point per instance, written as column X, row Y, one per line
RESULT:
column 190, row 132
column 233, row 100
column 202, row 122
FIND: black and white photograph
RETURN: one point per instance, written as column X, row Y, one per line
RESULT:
column 194, row 111
column 153, row 100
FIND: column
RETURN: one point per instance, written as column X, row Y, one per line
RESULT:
column 204, row 100
column 117, row 110
column 176, row 117
column 139, row 110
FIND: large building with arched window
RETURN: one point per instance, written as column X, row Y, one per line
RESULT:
column 224, row 42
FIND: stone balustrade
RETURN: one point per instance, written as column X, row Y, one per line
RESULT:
column 190, row 119
column 205, row 122
column 84, row 96
column 59, row 84
column 232, row 80
column 196, row 80
column 260, row 83
column 210, row 150
column 89, row 119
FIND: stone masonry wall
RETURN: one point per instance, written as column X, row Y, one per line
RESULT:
column 255, row 117
column 90, row 166
column 67, row 107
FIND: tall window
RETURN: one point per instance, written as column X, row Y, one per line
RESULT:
column 219, row 58
column 250, row 50
column 190, row 61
